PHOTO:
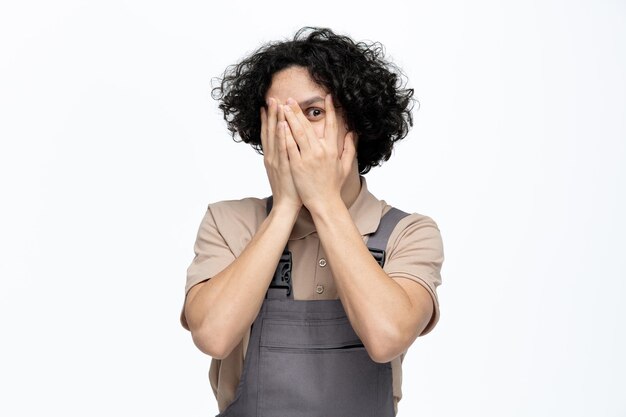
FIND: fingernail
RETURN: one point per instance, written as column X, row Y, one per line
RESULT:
column 291, row 101
column 270, row 101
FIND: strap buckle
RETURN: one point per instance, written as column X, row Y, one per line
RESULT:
column 282, row 275
column 379, row 255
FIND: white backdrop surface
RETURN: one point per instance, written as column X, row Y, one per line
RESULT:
column 111, row 148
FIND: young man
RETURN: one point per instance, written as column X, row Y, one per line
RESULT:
column 308, row 300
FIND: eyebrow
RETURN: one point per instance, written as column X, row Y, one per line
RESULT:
column 310, row 101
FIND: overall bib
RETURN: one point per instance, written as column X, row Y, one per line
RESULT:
column 304, row 358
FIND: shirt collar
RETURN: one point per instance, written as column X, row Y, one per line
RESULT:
column 365, row 211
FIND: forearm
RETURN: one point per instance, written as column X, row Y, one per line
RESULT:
column 376, row 305
column 222, row 309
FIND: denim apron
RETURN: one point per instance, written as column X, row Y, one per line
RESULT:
column 304, row 358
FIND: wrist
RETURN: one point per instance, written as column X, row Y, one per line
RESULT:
column 326, row 207
column 286, row 211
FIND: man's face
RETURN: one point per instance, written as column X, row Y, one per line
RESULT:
column 295, row 82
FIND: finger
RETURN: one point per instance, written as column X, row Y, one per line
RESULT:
column 292, row 145
column 283, row 157
column 330, row 121
column 280, row 117
column 300, row 126
column 264, row 131
column 271, row 125
column 281, row 113
column 280, row 130
column 348, row 152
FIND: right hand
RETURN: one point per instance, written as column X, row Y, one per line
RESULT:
column 275, row 157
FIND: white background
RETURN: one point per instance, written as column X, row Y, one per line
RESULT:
column 112, row 148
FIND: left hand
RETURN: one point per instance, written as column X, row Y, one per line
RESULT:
column 318, row 172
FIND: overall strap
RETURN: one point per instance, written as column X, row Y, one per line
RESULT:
column 282, row 274
column 377, row 241
column 268, row 204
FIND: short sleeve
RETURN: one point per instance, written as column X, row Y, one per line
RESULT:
column 416, row 252
column 212, row 255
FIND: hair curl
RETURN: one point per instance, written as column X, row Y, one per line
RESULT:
column 369, row 89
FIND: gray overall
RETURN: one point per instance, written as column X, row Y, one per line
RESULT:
column 304, row 358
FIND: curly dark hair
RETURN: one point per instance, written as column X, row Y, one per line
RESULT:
column 369, row 89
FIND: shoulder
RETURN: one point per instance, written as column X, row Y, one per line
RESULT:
column 237, row 220
column 243, row 210
column 416, row 223
column 415, row 233
column 410, row 225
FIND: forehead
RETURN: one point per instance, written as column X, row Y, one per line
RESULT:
column 294, row 82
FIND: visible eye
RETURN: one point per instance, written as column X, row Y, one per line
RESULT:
column 314, row 112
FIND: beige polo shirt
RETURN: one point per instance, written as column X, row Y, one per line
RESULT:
column 414, row 251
